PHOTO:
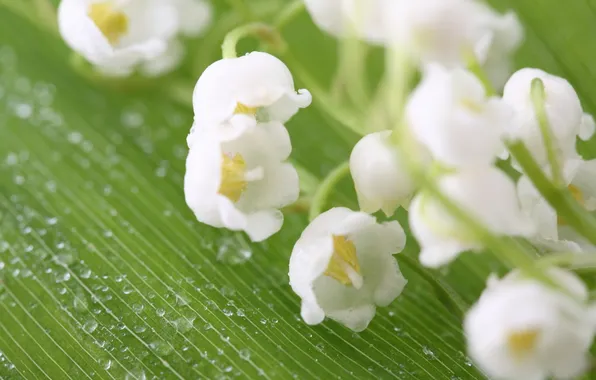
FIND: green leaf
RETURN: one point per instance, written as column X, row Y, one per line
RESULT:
column 105, row 273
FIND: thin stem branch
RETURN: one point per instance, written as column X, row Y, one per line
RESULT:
column 538, row 98
column 559, row 198
column 289, row 13
column 321, row 196
column 476, row 68
column 444, row 292
column 263, row 32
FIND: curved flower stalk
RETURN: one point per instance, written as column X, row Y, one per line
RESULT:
column 342, row 267
column 234, row 94
column 521, row 329
column 465, row 127
column 381, row 179
column 241, row 183
column 580, row 178
column 486, row 193
column 563, row 113
column 119, row 37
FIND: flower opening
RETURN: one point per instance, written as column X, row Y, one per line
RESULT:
column 113, row 24
column 233, row 181
column 344, row 266
column 523, row 342
column 245, row 110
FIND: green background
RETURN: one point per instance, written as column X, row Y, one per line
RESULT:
column 105, row 273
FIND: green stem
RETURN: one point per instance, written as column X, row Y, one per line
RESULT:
column 476, row 68
column 538, row 98
column 399, row 73
column 444, row 292
column 571, row 260
column 321, row 99
column 263, row 32
column 321, row 196
column 558, row 197
column 289, row 13
column 506, row 248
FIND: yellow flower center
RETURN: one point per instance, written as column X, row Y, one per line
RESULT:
column 579, row 197
column 113, row 24
column 471, row 105
column 343, row 265
column 242, row 109
column 523, row 342
column 233, row 182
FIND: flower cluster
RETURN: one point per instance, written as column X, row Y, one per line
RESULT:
column 483, row 160
column 237, row 174
column 439, row 161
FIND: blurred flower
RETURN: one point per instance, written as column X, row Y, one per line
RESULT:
column 580, row 178
column 485, row 193
column 340, row 18
column 503, row 34
column 563, row 110
column 343, row 267
column 234, row 94
column 121, row 36
column 380, row 177
column 436, row 31
column 241, row 184
column 522, row 329
column 450, row 114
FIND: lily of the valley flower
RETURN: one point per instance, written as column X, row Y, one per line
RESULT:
column 343, row 267
column 340, row 18
column 553, row 230
column 382, row 181
column 521, row 329
column 502, row 36
column 121, row 36
column 486, row 194
column 450, row 114
column 235, row 93
column 563, row 111
column 241, row 184
column 436, row 31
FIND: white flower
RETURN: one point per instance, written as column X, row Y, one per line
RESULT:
column 121, row 36
column 503, row 35
column 341, row 17
column 240, row 184
column 381, row 180
column 450, row 114
column 236, row 93
column 436, row 31
column 486, row 194
column 587, row 127
column 521, row 329
column 563, row 110
column 552, row 230
column 343, row 267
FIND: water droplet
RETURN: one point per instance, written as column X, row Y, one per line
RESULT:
column 428, row 352
column 105, row 363
column 140, row 329
column 184, row 324
column 74, row 137
column 228, row 312
column 231, row 252
column 136, row 375
column 263, row 321
column 23, row 110
column 161, row 348
column 244, row 354
column 90, row 326
column 181, row 300
column 127, row 289
column 80, row 302
column 160, row 312
column 138, row 307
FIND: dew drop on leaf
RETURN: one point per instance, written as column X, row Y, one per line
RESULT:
column 90, row 326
